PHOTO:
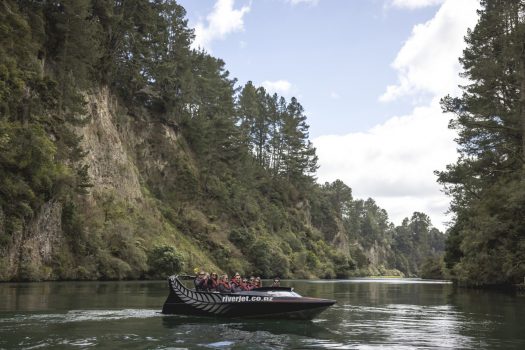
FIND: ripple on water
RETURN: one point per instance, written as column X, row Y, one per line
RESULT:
column 415, row 326
column 75, row 316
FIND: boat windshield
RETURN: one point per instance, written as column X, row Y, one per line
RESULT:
column 283, row 293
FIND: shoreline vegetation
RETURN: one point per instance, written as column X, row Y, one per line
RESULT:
column 125, row 154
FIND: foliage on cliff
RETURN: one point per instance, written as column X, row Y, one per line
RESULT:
column 486, row 243
column 202, row 173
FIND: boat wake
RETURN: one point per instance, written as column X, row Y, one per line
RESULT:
column 78, row 316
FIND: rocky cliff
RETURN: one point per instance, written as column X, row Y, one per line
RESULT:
column 146, row 192
column 118, row 209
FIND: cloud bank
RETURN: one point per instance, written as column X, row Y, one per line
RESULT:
column 394, row 162
column 428, row 61
column 223, row 20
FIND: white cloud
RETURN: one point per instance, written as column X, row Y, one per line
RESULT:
column 281, row 87
column 394, row 162
column 308, row 2
column 334, row 95
column 413, row 4
column 429, row 58
column 223, row 20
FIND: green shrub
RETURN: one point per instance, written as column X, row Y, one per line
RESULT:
column 327, row 271
column 343, row 265
column 243, row 238
column 123, row 244
column 164, row 260
column 268, row 260
column 432, row 268
column 112, row 268
column 312, row 261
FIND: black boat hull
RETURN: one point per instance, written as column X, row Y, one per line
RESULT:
column 184, row 301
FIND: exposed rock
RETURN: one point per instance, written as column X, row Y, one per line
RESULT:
column 31, row 250
column 110, row 166
column 45, row 231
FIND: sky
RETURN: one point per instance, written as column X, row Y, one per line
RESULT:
column 369, row 74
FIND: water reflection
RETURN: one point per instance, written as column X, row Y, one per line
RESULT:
column 274, row 327
column 273, row 334
column 75, row 295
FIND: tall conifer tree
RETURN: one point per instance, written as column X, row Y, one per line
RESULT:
column 486, row 244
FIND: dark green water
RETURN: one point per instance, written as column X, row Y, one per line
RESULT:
column 369, row 314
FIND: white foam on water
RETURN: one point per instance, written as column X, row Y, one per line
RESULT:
column 87, row 342
column 220, row 344
column 80, row 316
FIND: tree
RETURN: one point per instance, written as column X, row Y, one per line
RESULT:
column 299, row 158
column 277, row 111
column 39, row 153
column 487, row 183
column 248, row 110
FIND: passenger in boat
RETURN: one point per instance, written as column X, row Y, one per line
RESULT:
column 236, row 284
column 201, row 281
column 276, row 282
column 224, row 286
column 258, row 283
column 251, row 282
column 246, row 284
column 213, row 282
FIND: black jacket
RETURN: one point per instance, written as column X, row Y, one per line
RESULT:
column 222, row 288
column 201, row 284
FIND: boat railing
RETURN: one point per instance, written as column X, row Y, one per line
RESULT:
column 184, row 277
column 181, row 278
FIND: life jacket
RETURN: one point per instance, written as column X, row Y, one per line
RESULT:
column 236, row 287
column 212, row 284
column 224, row 287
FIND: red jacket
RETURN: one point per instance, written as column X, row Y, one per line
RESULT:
column 236, row 287
column 212, row 284
column 224, row 287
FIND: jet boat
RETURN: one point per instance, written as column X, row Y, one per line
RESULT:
column 265, row 302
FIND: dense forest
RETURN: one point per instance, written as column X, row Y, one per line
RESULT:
column 126, row 154
column 486, row 243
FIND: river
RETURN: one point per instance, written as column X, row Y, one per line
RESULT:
column 369, row 314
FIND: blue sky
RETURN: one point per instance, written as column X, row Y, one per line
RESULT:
column 335, row 54
column 369, row 74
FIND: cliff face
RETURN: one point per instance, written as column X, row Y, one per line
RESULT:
column 118, row 211
column 147, row 192
column 32, row 250
column 110, row 154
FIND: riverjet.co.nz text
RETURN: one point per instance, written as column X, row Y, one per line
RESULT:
column 243, row 298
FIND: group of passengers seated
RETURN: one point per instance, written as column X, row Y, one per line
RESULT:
column 212, row 283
